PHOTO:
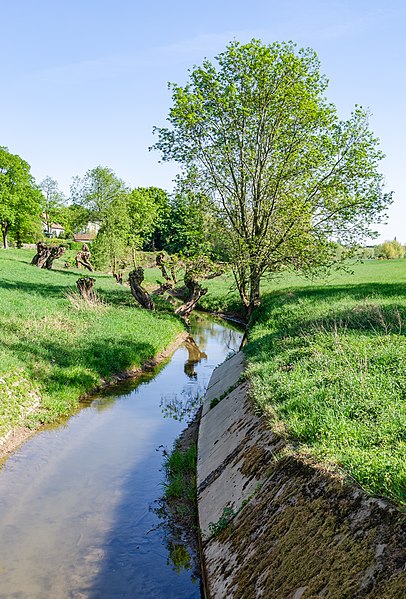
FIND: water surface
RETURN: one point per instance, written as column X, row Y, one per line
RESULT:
column 77, row 517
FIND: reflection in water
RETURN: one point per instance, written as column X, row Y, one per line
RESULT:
column 179, row 557
column 195, row 356
column 75, row 517
column 181, row 406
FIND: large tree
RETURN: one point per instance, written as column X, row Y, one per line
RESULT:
column 54, row 201
column 97, row 190
column 111, row 245
column 285, row 174
column 20, row 198
column 147, row 209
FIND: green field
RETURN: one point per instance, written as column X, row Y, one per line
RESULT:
column 327, row 363
column 326, row 358
column 54, row 348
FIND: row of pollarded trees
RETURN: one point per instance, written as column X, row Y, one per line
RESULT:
column 194, row 272
column 128, row 219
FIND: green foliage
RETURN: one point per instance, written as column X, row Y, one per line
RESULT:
column 390, row 250
column 190, row 229
column 110, row 248
column 180, row 468
column 285, row 175
column 53, row 201
column 148, row 209
column 74, row 218
column 74, row 245
column 214, row 402
column 20, row 199
column 222, row 523
column 328, row 362
column 97, row 190
column 58, row 351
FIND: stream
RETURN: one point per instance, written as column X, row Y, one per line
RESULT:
column 78, row 515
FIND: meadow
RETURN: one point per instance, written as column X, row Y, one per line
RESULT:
column 54, row 348
column 327, row 362
column 326, row 357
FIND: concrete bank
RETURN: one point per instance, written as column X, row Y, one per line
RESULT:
column 276, row 527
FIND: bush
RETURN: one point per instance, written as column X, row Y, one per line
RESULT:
column 74, row 245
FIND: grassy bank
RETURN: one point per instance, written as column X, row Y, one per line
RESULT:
column 222, row 295
column 53, row 348
column 329, row 363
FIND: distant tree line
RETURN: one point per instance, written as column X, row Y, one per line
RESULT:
column 128, row 220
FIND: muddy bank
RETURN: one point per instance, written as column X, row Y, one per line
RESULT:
column 274, row 526
column 18, row 435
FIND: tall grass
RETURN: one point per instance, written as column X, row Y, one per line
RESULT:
column 329, row 364
column 59, row 349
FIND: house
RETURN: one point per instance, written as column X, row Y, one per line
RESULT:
column 52, row 229
column 84, row 237
column 88, row 234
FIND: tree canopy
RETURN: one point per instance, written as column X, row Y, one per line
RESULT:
column 97, row 190
column 285, row 174
column 20, row 197
column 53, row 203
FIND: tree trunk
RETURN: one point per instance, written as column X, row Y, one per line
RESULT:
column 196, row 291
column 42, row 254
column 160, row 262
column 54, row 253
column 173, row 273
column 83, row 258
column 194, row 357
column 167, row 286
column 142, row 296
column 255, row 293
column 85, row 286
column 4, row 230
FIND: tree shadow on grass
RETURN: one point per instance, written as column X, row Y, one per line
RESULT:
column 115, row 297
column 372, row 309
column 84, row 364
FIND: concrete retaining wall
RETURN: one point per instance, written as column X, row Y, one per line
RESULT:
column 294, row 531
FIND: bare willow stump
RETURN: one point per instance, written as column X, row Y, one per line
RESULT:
column 42, row 254
column 85, row 286
column 142, row 296
column 196, row 291
column 160, row 262
column 83, row 258
column 167, row 286
column 46, row 254
column 54, row 253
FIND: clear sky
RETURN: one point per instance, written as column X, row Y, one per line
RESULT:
column 85, row 81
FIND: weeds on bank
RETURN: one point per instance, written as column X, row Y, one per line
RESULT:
column 180, row 486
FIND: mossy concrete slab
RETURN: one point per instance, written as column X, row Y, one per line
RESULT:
column 232, row 438
column 296, row 530
column 225, row 376
column 306, row 534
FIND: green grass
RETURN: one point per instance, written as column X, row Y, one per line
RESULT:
column 222, row 295
column 180, row 487
column 56, row 350
column 328, row 362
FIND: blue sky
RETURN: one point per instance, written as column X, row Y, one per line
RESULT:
column 85, row 81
